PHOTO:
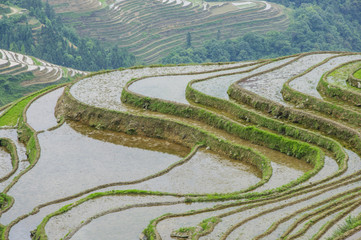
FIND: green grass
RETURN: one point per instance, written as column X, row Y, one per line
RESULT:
column 12, row 115
column 10, row 118
column 36, row 62
column 358, row 74
column 104, row 3
column 4, row 10
column 351, row 223
column 65, row 71
column 185, row 229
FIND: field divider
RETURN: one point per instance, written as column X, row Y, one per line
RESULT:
column 343, row 94
column 354, row 81
column 309, row 102
column 11, row 147
column 285, row 145
column 29, row 136
column 40, row 234
column 332, row 222
column 235, row 226
column 162, row 128
column 238, row 112
column 310, row 120
column 254, row 200
column 168, row 169
column 142, row 205
column 322, row 212
column 350, row 232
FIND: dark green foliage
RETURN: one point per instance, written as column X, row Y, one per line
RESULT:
column 55, row 42
column 4, row 10
column 189, row 40
column 318, row 25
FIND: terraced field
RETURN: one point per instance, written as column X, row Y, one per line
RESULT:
column 151, row 28
column 268, row 149
column 12, row 63
column 63, row 6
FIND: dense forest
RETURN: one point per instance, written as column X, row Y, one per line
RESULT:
column 314, row 25
column 56, row 42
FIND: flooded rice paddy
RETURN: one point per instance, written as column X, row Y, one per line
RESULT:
column 308, row 82
column 339, row 76
column 74, row 162
column 269, row 85
column 218, row 86
column 133, row 179
column 5, row 162
column 21, row 152
column 44, row 107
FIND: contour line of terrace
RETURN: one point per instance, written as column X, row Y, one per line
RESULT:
column 99, row 84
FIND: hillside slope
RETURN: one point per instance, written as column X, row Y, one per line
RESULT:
column 21, row 74
column 32, row 28
column 150, row 28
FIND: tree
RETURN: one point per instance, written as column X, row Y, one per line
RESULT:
column 189, row 40
column 219, row 35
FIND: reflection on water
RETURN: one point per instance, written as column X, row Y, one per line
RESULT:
column 21, row 150
column 40, row 114
column 307, row 83
column 206, row 172
column 330, row 167
column 5, row 162
column 71, row 162
column 60, row 225
column 105, row 90
column 269, row 85
column 173, row 88
column 127, row 140
column 130, row 223
column 218, row 86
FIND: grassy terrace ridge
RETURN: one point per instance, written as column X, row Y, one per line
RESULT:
column 308, row 207
column 354, row 79
column 357, row 74
column 11, row 148
column 338, row 91
column 332, row 110
column 127, row 99
column 255, row 135
column 165, row 129
column 310, row 120
column 239, row 112
column 140, row 26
